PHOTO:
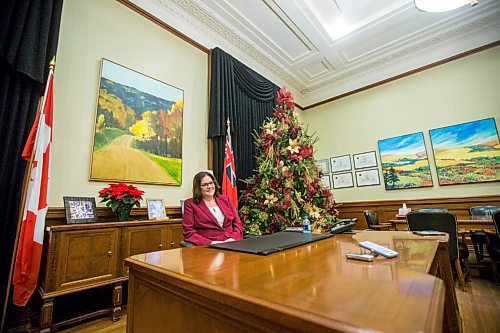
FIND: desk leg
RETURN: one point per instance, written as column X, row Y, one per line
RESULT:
column 452, row 320
column 117, row 302
column 46, row 315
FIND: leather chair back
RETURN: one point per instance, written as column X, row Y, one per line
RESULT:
column 444, row 222
column 432, row 210
column 371, row 217
column 496, row 220
column 483, row 212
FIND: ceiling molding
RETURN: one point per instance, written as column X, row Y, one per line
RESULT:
column 287, row 41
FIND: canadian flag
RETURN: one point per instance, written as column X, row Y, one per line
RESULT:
column 29, row 248
column 229, row 181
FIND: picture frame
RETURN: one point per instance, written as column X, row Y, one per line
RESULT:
column 466, row 153
column 326, row 181
column 138, row 121
column 340, row 163
column 80, row 210
column 323, row 166
column 404, row 162
column 156, row 209
column 342, row 180
column 367, row 178
column 365, row 160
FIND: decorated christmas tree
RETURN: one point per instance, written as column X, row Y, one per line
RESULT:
column 287, row 183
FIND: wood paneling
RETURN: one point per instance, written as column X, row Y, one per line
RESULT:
column 387, row 209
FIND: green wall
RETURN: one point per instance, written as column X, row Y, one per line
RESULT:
column 459, row 91
column 91, row 30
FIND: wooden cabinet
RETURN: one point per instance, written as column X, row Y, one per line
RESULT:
column 84, row 256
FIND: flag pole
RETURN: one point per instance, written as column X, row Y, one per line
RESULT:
column 27, row 174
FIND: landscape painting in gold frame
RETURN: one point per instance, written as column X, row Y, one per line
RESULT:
column 138, row 128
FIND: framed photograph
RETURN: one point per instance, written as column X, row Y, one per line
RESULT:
column 467, row 153
column 340, row 163
column 323, row 166
column 342, row 180
column 80, row 210
column 138, row 128
column 367, row 178
column 365, row 160
column 326, row 181
column 156, row 209
column 404, row 162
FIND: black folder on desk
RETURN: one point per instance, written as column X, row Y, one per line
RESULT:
column 267, row 244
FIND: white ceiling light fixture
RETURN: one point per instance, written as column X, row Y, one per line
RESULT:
column 437, row 6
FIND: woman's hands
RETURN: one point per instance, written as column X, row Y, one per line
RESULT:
column 224, row 241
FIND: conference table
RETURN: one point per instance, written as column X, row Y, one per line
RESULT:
column 309, row 288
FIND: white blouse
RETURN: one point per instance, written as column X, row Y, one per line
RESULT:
column 215, row 210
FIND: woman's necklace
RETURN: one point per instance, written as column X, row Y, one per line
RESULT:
column 212, row 205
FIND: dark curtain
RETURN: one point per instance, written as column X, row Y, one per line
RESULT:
column 246, row 98
column 29, row 32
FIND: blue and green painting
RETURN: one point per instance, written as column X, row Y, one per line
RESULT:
column 467, row 153
column 138, row 128
column 404, row 162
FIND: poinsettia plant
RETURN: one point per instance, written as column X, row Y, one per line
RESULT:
column 121, row 196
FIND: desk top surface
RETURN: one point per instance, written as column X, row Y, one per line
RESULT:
column 316, row 282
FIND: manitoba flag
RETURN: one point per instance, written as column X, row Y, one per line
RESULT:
column 29, row 247
column 229, row 186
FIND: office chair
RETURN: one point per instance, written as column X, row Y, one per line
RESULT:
column 186, row 244
column 478, row 237
column 444, row 222
column 371, row 218
column 493, row 245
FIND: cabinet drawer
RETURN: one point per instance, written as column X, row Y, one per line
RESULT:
column 144, row 239
column 85, row 258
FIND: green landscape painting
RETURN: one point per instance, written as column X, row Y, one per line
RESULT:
column 138, row 128
column 404, row 162
column 467, row 153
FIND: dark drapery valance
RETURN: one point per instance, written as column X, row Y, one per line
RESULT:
column 29, row 32
column 246, row 98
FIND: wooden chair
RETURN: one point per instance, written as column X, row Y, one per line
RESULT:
column 444, row 222
column 372, row 221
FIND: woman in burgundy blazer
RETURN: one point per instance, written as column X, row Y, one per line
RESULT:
column 209, row 218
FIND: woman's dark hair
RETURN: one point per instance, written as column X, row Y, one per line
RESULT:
column 197, row 196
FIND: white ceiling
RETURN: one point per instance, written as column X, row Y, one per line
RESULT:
column 301, row 44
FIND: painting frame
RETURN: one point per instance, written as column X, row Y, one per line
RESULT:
column 405, row 162
column 156, row 209
column 342, row 180
column 465, row 153
column 138, row 122
column 367, row 178
column 79, row 210
column 365, row 160
column 323, row 166
column 340, row 163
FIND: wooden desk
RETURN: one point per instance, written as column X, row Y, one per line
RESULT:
column 399, row 224
column 311, row 288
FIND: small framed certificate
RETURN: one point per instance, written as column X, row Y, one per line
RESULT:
column 365, row 160
column 323, row 166
column 367, row 178
column 340, row 163
column 326, row 181
column 342, row 180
